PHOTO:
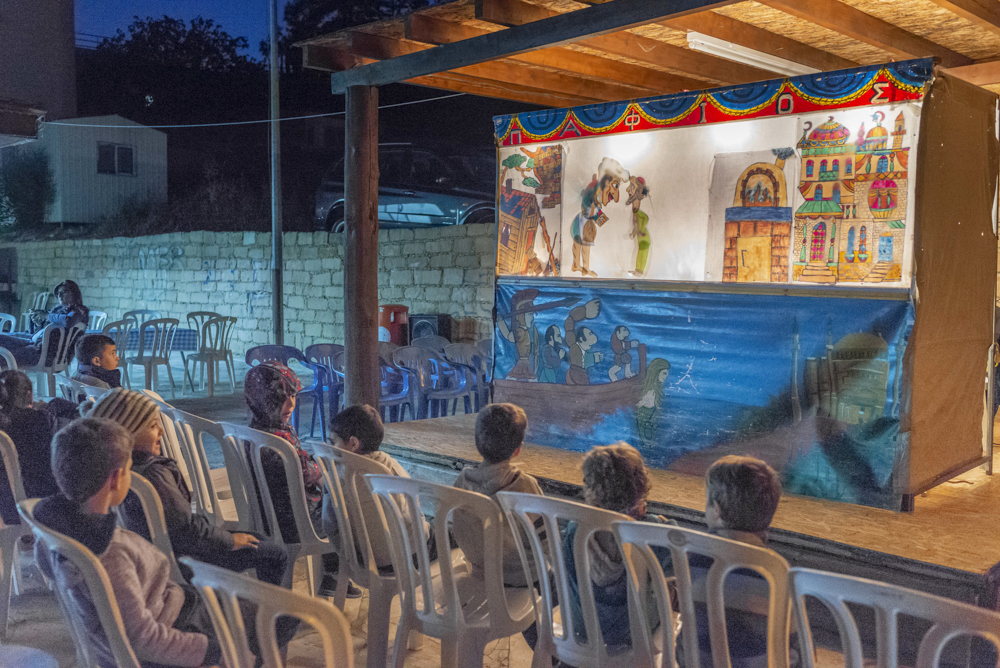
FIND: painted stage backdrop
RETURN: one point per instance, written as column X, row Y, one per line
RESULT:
column 801, row 180
column 796, row 181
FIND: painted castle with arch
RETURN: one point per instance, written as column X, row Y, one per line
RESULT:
column 851, row 225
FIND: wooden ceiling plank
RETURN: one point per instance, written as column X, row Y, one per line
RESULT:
column 557, row 30
column 854, row 23
column 629, row 45
column 980, row 74
column 461, row 83
column 759, row 39
column 984, row 13
column 328, row 59
column 384, row 48
column 423, row 28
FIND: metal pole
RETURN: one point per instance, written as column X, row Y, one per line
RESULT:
column 277, row 254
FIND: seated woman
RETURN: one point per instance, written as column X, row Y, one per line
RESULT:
column 31, row 428
column 27, row 347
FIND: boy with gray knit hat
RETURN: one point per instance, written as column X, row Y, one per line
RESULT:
column 190, row 534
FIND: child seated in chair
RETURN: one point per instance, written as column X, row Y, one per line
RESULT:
column 742, row 495
column 359, row 429
column 98, row 362
column 499, row 437
column 165, row 623
column 614, row 478
column 191, row 534
column 31, row 428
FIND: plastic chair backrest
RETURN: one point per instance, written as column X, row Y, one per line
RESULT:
column 40, row 300
column 523, row 510
column 98, row 585
column 292, row 465
column 949, row 619
column 464, row 353
column 440, row 608
column 119, row 331
column 485, row 348
column 197, row 319
column 323, row 353
column 385, row 349
column 766, row 595
column 156, row 522
column 368, row 522
column 328, row 458
column 283, row 354
column 191, row 431
column 142, row 316
column 96, row 320
column 418, row 360
column 12, row 465
column 9, row 362
column 216, row 334
column 72, row 389
column 434, row 343
column 163, row 330
column 8, row 318
column 221, row 590
column 64, row 346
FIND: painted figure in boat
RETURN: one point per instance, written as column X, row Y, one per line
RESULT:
column 621, row 344
column 552, row 357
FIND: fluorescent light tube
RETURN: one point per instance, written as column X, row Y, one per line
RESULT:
column 741, row 54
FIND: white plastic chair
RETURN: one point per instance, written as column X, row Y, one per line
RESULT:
column 156, row 354
column 156, row 522
column 39, row 300
column 214, row 347
column 96, row 320
column 63, row 349
column 363, row 529
column 119, row 331
column 310, row 545
column 9, row 363
column 563, row 641
column 7, row 319
column 10, row 563
column 465, row 612
column 222, row 590
column 191, row 433
column 71, row 390
column 766, row 595
column 98, row 591
column 949, row 619
column 141, row 316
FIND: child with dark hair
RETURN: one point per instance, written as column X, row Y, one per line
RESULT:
column 31, row 429
column 27, row 348
column 190, row 534
column 614, row 478
column 359, row 429
column 499, row 437
column 98, row 362
column 165, row 623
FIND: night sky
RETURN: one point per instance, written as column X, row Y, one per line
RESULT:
column 240, row 18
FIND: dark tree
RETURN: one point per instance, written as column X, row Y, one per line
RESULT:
column 27, row 187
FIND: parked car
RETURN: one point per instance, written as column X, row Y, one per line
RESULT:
column 418, row 188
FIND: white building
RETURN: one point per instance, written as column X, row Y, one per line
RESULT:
column 99, row 169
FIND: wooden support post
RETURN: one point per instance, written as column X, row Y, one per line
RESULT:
column 361, row 247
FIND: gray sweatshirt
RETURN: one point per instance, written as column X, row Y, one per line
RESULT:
column 489, row 479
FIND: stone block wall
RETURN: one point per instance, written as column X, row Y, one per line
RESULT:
column 437, row 270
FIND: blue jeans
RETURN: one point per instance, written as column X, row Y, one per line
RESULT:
column 20, row 346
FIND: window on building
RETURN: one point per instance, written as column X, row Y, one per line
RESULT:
column 836, row 193
column 836, row 166
column 848, row 167
column 809, row 168
column 115, row 159
column 818, row 194
column 883, row 165
column 849, row 255
column 822, row 167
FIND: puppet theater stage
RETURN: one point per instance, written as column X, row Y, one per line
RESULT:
column 801, row 270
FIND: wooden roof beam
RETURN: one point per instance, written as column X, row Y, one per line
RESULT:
column 984, row 13
column 431, row 30
column 557, row 30
column 327, row 58
column 759, row 39
column 980, row 74
column 629, row 45
column 383, row 48
column 854, row 23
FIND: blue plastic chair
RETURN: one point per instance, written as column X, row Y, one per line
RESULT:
column 396, row 392
column 437, row 381
column 323, row 354
column 284, row 355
